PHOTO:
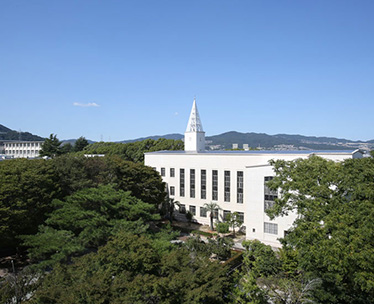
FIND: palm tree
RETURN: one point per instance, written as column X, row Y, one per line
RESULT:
column 171, row 203
column 211, row 208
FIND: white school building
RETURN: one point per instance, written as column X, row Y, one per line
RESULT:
column 21, row 149
column 235, row 180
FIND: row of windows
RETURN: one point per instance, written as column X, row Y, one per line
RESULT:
column 172, row 172
column 227, row 212
column 203, row 212
column 203, row 184
column 13, row 145
column 20, row 151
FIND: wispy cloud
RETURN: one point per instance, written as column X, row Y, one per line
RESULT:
column 85, row 105
column 176, row 113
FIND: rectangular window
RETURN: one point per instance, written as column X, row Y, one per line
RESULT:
column 225, row 214
column 215, row 185
column 269, row 195
column 202, row 212
column 227, row 186
column 181, row 182
column 193, row 210
column 172, row 172
column 270, row 228
column 162, row 171
column 192, row 183
column 241, row 216
column 239, row 187
column 215, row 214
column 172, row 190
column 182, row 208
column 203, row 184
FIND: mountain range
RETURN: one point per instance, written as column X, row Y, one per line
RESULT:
column 9, row 134
column 278, row 141
column 228, row 139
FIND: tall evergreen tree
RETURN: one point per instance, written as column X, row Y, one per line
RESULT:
column 51, row 147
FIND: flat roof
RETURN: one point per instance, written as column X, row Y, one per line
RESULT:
column 257, row 152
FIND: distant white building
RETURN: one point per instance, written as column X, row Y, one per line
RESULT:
column 235, row 180
column 21, row 149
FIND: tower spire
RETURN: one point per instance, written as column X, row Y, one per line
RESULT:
column 194, row 122
column 194, row 137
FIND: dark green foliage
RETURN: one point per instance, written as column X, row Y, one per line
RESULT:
column 85, row 220
column 168, row 207
column 66, row 148
column 222, row 227
column 17, row 287
column 51, row 147
column 219, row 248
column 334, row 236
column 77, row 172
column 261, row 259
column 27, row 188
column 129, row 270
column 80, row 144
column 134, row 151
column 272, row 277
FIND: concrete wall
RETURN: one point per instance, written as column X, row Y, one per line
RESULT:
column 255, row 166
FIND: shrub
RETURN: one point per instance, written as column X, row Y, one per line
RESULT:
column 222, row 227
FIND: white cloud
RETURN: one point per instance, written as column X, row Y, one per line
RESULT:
column 176, row 113
column 85, row 105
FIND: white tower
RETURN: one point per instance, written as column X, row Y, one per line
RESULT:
column 194, row 137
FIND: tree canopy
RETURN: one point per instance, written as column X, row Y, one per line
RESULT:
column 134, row 151
column 85, row 220
column 129, row 270
column 51, row 147
column 333, row 236
column 28, row 187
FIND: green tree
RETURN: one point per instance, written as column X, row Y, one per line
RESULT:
column 134, row 151
column 85, row 220
column 234, row 220
column 333, row 237
column 51, row 147
column 27, row 188
column 212, row 208
column 80, row 144
column 66, row 148
column 76, row 172
column 17, row 287
column 128, row 269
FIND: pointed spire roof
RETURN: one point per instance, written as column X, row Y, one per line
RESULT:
column 194, row 123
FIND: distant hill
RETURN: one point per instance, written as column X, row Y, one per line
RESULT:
column 72, row 141
column 278, row 141
column 174, row 136
column 8, row 134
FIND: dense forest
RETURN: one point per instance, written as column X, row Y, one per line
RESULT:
column 91, row 230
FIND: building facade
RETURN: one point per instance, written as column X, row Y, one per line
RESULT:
column 235, row 180
column 21, row 149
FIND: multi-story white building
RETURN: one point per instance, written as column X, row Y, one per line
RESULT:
column 24, row 149
column 235, row 180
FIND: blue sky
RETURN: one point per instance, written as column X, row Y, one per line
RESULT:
column 116, row 70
